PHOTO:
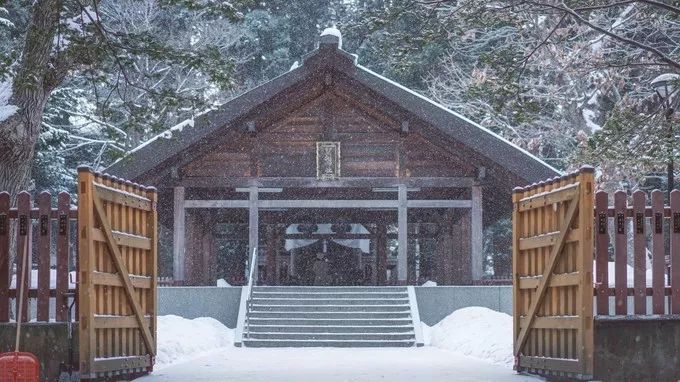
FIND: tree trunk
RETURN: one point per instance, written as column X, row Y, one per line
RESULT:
column 36, row 78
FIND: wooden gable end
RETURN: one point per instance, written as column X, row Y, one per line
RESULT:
column 372, row 141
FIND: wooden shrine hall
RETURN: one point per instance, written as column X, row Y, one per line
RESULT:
column 337, row 175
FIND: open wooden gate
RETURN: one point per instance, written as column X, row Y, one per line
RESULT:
column 117, row 254
column 552, row 270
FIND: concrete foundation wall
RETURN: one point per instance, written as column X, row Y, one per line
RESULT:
column 434, row 303
column 637, row 348
column 47, row 341
column 191, row 302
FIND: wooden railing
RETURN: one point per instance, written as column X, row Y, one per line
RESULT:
column 47, row 232
column 655, row 233
column 252, row 281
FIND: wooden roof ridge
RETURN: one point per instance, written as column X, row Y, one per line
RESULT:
column 330, row 57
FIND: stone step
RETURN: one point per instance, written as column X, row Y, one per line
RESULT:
column 329, row 301
column 330, row 336
column 327, row 343
column 329, row 321
column 328, row 289
column 266, row 314
column 328, row 329
column 331, row 295
column 256, row 307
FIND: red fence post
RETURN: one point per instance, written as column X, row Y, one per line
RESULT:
column 658, row 253
column 4, row 256
column 639, row 254
column 44, row 202
column 675, row 251
column 621, row 253
column 24, row 239
column 63, row 236
column 602, row 252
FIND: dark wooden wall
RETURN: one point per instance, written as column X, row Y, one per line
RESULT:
column 371, row 145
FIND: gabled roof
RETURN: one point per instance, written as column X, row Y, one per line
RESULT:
column 145, row 158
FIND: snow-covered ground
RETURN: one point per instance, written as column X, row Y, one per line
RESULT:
column 472, row 344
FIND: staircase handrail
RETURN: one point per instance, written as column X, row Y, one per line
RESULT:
column 251, row 282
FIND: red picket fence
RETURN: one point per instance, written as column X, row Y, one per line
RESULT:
column 655, row 230
column 47, row 232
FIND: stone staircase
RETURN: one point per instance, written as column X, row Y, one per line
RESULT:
column 331, row 317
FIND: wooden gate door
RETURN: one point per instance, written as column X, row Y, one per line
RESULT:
column 553, row 282
column 117, row 254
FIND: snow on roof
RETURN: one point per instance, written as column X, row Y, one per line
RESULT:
column 462, row 117
column 167, row 134
column 333, row 31
column 6, row 110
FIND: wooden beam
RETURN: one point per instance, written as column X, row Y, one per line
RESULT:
column 253, row 225
column 86, row 264
column 271, row 254
column 381, row 254
column 545, row 199
column 402, row 255
column 552, row 322
column 178, row 237
column 313, row 182
column 327, row 203
column 476, row 234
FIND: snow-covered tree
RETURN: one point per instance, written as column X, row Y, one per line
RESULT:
column 64, row 41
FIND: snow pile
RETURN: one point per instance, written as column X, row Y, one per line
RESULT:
column 6, row 110
column 476, row 332
column 429, row 283
column 222, row 283
column 181, row 339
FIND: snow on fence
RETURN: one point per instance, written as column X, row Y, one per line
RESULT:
column 46, row 231
column 655, row 233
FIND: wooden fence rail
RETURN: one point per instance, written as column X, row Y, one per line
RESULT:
column 47, row 233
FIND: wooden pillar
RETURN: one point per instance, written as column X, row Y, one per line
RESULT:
column 272, row 250
column 381, row 254
column 254, row 225
column 476, row 234
column 464, row 249
column 402, row 255
column 178, row 237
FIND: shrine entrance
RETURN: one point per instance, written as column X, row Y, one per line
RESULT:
column 328, row 242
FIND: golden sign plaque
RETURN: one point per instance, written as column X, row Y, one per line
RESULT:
column 327, row 160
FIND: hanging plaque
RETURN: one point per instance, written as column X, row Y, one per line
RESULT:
column 327, row 160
